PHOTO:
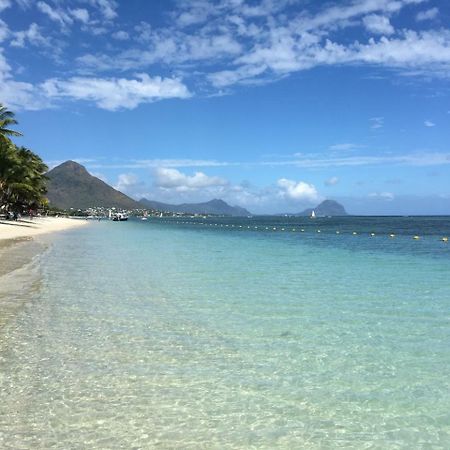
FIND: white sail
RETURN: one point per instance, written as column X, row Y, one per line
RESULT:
column 313, row 214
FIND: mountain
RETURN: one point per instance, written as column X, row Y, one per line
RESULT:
column 326, row 208
column 216, row 206
column 70, row 185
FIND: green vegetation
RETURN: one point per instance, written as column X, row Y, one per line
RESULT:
column 70, row 185
column 22, row 172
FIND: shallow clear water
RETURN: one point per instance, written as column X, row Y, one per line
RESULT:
column 196, row 335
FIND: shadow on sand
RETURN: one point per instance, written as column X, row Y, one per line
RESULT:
column 18, row 223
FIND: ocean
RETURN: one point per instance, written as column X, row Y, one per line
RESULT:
column 230, row 333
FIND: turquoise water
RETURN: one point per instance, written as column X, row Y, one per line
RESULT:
column 195, row 335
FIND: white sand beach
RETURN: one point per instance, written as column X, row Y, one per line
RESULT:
column 26, row 228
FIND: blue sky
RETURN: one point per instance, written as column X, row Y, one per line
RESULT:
column 273, row 105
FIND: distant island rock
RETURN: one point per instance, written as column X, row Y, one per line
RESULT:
column 326, row 208
column 70, row 185
column 216, row 207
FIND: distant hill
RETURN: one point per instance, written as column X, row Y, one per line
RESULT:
column 326, row 208
column 216, row 206
column 72, row 186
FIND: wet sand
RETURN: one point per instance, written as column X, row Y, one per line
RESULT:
column 20, row 242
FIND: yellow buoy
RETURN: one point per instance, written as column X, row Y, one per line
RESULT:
column 445, row 239
column 416, row 238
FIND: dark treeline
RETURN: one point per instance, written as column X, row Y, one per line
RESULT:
column 22, row 172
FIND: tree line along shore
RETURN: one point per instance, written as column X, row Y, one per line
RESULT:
column 23, row 183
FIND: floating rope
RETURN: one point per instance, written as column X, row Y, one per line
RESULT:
column 293, row 230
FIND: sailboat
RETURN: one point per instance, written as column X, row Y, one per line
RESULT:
column 313, row 214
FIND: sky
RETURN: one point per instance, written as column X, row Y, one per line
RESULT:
column 272, row 105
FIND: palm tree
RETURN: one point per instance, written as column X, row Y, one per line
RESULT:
column 6, row 120
column 8, row 163
column 22, row 172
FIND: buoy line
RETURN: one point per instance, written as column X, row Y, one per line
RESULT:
column 415, row 237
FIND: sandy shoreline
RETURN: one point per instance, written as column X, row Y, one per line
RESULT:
column 26, row 228
column 19, row 244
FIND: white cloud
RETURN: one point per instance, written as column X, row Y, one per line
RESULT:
column 152, row 163
column 174, row 179
column 429, row 123
column 411, row 50
column 197, row 14
column 32, row 35
column 107, row 93
column 388, row 196
column 16, row 94
column 411, row 159
column 4, row 4
column 230, row 42
column 332, row 181
column 166, row 47
column 55, row 14
column 4, row 30
column 376, row 122
column 121, row 35
column 298, row 191
column 144, row 31
column 426, row 52
column 24, row 4
column 428, row 14
column 312, row 161
column 229, row 77
column 106, row 7
column 116, row 93
column 249, row 50
column 173, row 186
column 342, row 14
column 378, row 24
column 128, row 183
column 344, row 147
column 80, row 14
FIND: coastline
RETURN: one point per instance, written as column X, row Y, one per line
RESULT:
column 26, row 228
